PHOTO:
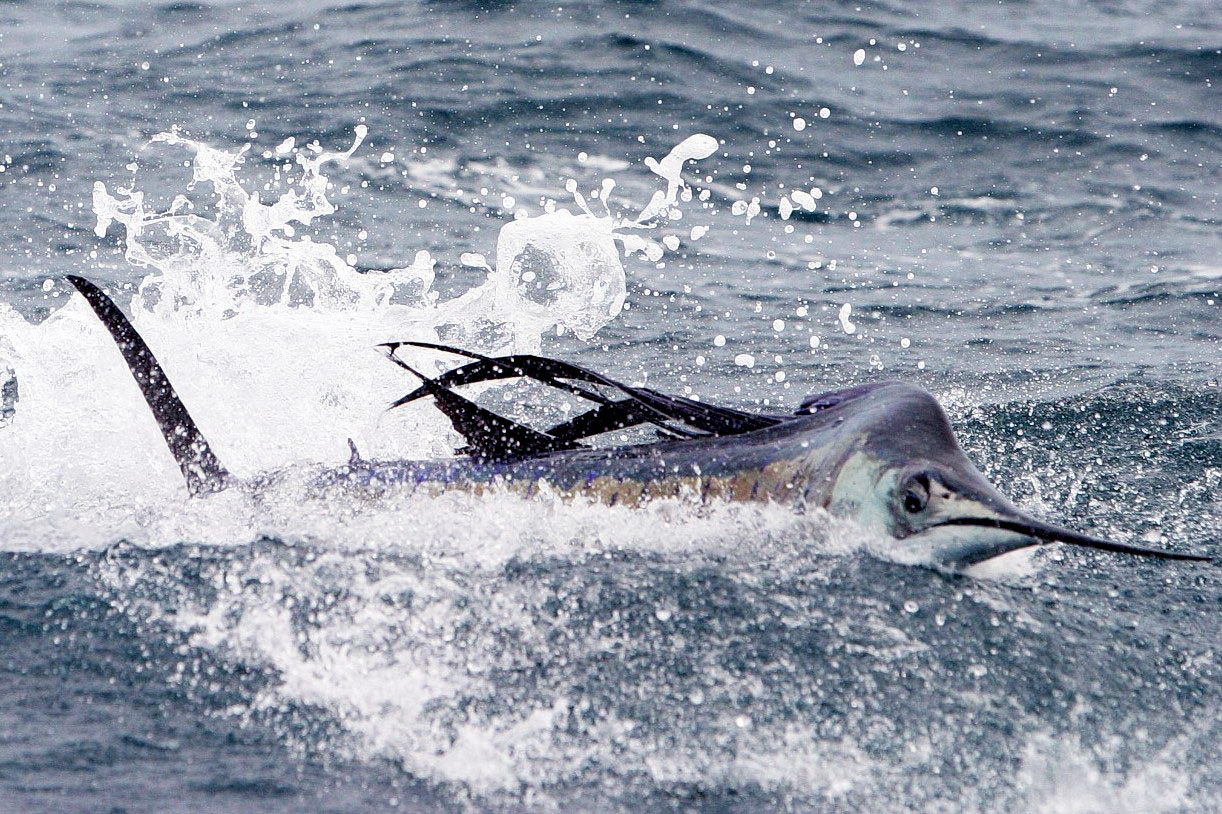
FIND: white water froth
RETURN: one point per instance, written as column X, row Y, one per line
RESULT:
column 268, row 335
column 1061, row 775
column 407, row 642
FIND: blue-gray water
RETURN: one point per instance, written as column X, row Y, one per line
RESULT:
column 1020, row 205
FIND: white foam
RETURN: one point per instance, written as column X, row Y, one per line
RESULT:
column 1060, row 775
column 397, row 640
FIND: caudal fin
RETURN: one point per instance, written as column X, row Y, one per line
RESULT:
column 203, row 472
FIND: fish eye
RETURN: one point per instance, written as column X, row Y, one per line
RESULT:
column 916, row 493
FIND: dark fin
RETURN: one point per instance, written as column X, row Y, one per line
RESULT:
column 487, row 368
column 490, row 437
column 354, row 457
column 648, row 405
column 628, row 413
column 546, row 371
column 618, row 415
column 707, row 417
column 203, row 472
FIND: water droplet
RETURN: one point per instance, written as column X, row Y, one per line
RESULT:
column 846, row 311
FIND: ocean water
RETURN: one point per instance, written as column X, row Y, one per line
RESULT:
column 1014, row 205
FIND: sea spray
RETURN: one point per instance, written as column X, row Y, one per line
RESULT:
column 268, row 333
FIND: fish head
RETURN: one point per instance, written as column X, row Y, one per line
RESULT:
column 902, row 473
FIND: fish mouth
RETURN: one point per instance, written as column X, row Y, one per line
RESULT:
column 1041, row 533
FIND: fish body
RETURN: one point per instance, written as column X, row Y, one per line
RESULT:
column 882, row 455
column 796, row 462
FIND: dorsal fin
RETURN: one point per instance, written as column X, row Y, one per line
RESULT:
column 643, row 405
column 201, row 469
column 490, row 437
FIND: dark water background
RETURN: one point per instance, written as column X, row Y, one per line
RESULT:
column 1060, row 292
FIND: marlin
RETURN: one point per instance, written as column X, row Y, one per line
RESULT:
column 882, row 455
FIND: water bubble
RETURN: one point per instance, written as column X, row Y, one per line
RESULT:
column 905, row 342
column 744, row 360
column 824, row 112
column 814, row 342
column 778, row 325
column 799, row 124
column 911, row 607
column 859, row 56
column 719, row 340
column 388, row 157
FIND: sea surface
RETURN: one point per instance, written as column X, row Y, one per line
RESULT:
column 1014, row 205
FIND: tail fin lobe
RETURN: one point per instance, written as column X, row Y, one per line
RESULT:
column 202, row 470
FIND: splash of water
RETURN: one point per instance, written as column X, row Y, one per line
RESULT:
column 254, row 316
column 554, row 270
